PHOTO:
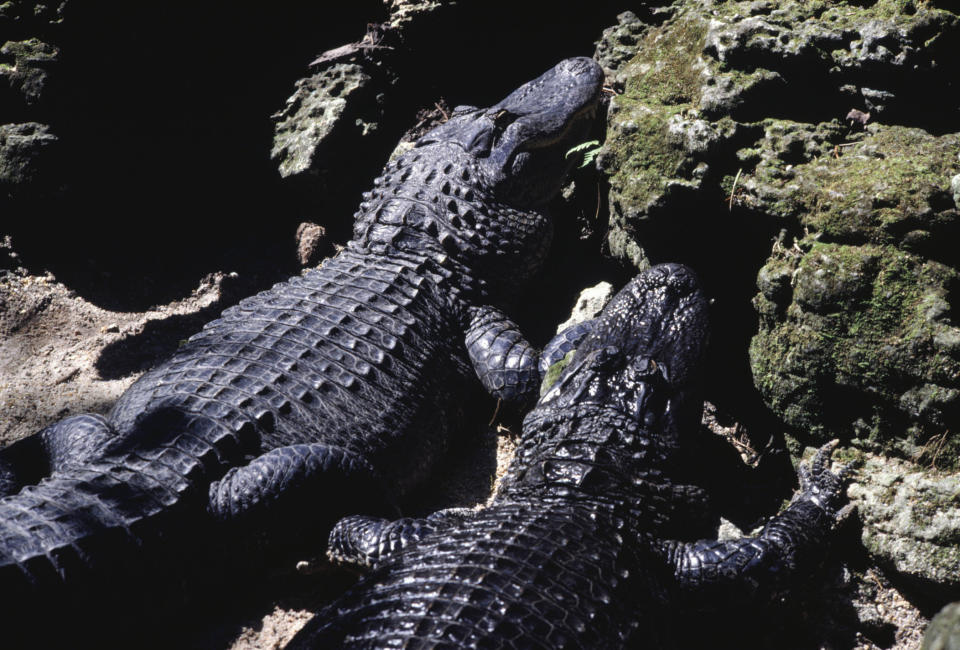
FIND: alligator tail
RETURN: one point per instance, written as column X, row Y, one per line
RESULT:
column 77, row 541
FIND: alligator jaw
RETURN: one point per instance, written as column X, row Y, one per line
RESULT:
column 520, row 143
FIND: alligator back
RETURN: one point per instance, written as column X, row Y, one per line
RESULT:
column 351, row 355
column 519, row 574
column 355, row 356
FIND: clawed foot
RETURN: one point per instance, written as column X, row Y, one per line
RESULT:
column 823, row 487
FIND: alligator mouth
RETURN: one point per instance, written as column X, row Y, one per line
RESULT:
column 585, row 115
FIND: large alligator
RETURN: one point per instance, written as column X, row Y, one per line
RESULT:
column 325, row 395
column 587, row 544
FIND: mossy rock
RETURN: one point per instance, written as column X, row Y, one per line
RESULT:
column 740, row 107
column 25, row 66
column 323, row 107
column 857, row 340
column 857, row 336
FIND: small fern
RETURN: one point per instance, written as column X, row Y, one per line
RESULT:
column 590, row 149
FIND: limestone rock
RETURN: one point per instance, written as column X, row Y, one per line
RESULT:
column 316, row 113
column 734, row 112
column 27, row 154
column 911, row 518
column 943, row 633
column 25, row 68
column 590, row 302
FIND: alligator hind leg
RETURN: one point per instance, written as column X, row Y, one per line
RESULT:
column 366, row 541
column 305, row 486
column 66, row 442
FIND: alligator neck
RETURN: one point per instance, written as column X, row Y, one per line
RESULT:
column 586, row 451
column 434, row 201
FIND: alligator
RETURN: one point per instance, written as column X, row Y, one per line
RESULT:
column 330, row 393
column 593, row 534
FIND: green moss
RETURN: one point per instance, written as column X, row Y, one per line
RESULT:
column 553, row 372
column 859, row 324
column 902, row 9
column 668, row 63
column 648, row 158
column 791, row 382
column 877, row 188
column 663, row 81
column 847, row 344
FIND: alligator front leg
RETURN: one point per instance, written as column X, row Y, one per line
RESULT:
column 366, row 541
column 289, row 484
column 70, row 441
column 711, row 571
column 506, row 363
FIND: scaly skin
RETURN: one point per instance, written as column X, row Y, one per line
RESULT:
column 586, row 544
column 327, row 394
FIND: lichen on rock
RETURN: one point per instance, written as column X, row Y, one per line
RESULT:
column 855, row 299
column 25, row 68
column 911, row 519
column 943, row 633
column 856, row 333
column 315, row 112
column 27, row 157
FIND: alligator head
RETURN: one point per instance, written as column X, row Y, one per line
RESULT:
column 642, row 358
column 471, row 190
column 521, row 142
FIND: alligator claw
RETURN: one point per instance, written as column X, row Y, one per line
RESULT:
column 822, row 486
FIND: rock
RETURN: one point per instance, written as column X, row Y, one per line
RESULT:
column 719, row 114
column 341, row 107
column 317, row 113
column 28, row 155
column 29, row 16
column 911, row 518
column 590, row 303
column 312, row 244
column 943, row 633
column 619, row 43
column 859, row 342
column 25, row 67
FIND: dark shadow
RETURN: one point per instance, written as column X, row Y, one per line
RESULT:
column 159, row 339
column 163, row 121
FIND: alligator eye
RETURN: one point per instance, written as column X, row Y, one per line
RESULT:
column 609, row 358
column 503, row 118
column 462, row 110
